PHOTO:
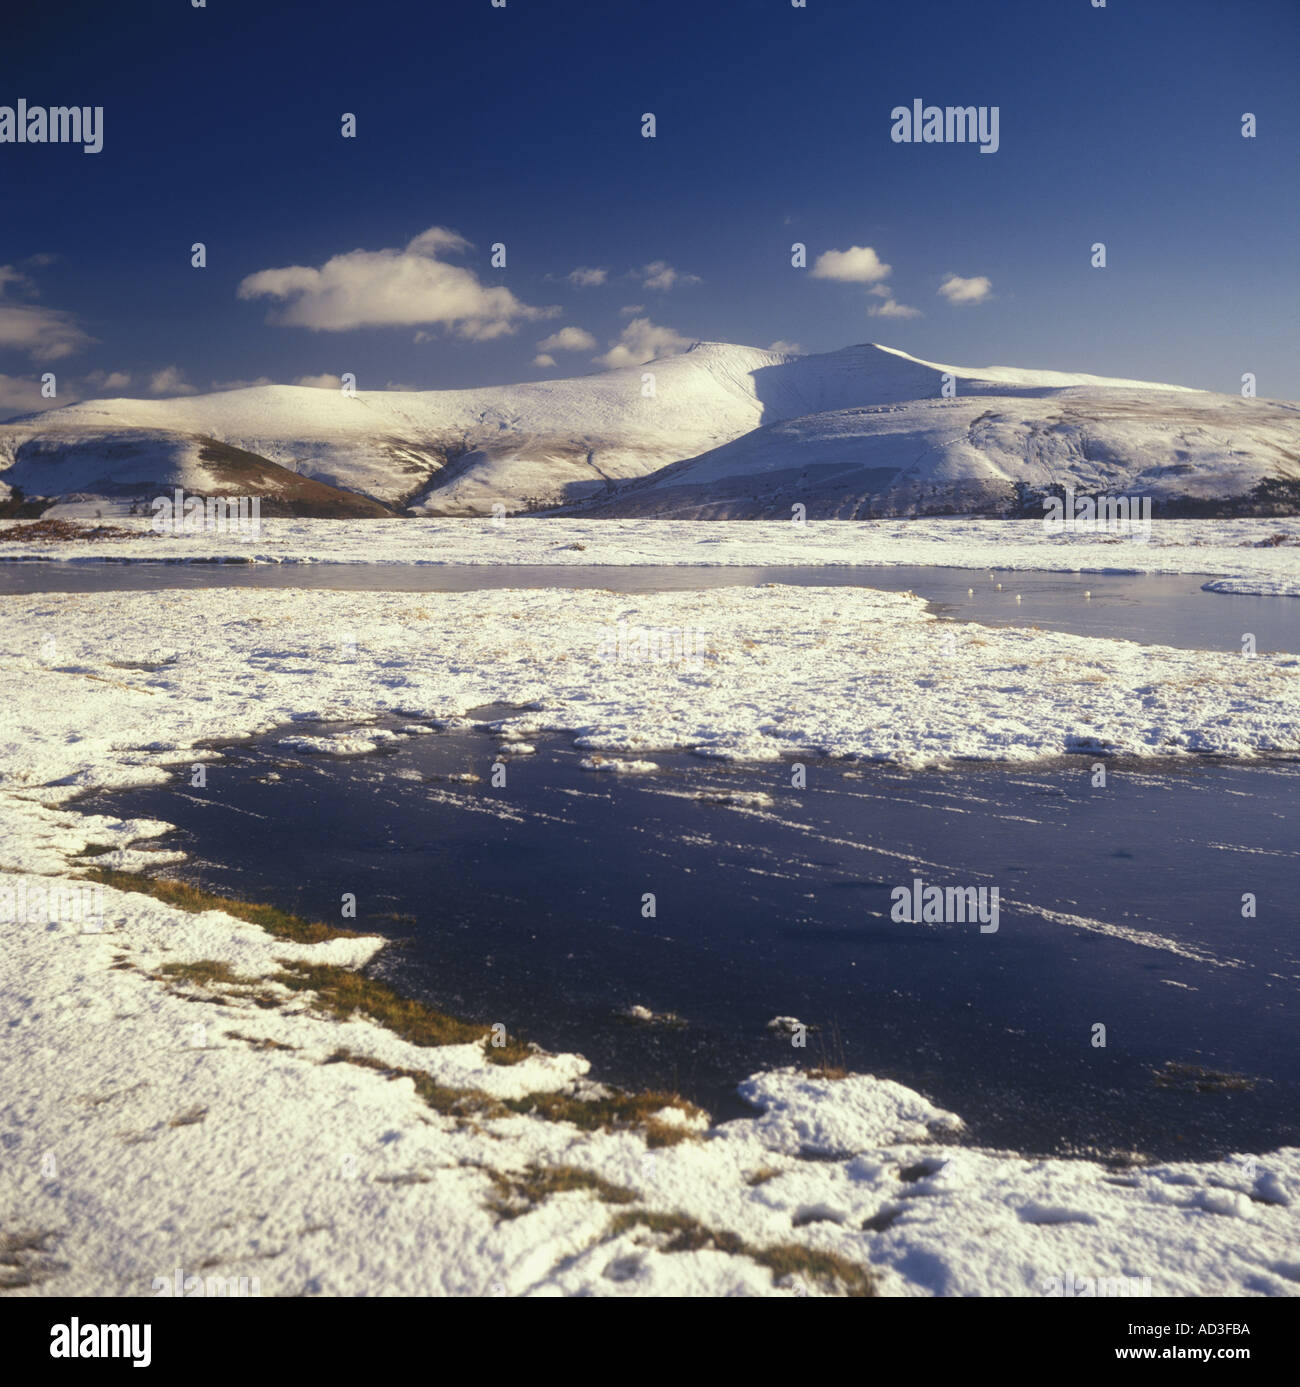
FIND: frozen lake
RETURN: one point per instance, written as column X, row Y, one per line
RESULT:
column 522, row 903
column 1153, row 609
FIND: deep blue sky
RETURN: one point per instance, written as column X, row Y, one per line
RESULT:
column 522, row 125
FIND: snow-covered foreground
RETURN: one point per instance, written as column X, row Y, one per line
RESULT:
column 1243, row 551
column 149, row 1129
column 155, row 1120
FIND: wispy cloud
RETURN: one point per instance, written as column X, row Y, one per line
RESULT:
column 22, row 395
column 170, row 381
column 587, row 276
column 660, row 275
column 108, row 380
column 891, row 308
column 44, row 334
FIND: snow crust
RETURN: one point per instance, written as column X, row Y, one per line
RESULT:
column 149, row 1124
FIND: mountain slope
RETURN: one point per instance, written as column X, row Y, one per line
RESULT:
column 716, row 430
column 1194, row 453
column 501, row 443
column 124, row 470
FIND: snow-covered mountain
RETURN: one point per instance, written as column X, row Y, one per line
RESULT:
column 1193, row 453
column 718, row 430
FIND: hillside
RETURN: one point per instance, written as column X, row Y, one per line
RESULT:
column 1192, row 454
column 728, row 431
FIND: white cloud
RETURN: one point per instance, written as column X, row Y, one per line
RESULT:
column 241, row 384
column 44, row 334
column 630, row 310
column 541, row 359
column 568, row 339
column 325, row 381
column 641, row 341
column 891, row 308
column 170, row 381
column 659, row 274
column 958, row 290
column 22, row 395
column 392, row 288
column 857, row 265
column 781, row 345
column 585, row 276
column 108, row 380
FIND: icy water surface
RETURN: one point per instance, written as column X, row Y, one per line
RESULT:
column 1151, row 608
column 1120, row 906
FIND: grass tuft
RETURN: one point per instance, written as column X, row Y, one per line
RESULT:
column 190, row 898
column 617, row 1110
column 451, row 1102
column 784, row 1260
column 522, row 1193
column 342, row 993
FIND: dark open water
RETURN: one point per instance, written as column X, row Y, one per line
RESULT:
column 522, row 904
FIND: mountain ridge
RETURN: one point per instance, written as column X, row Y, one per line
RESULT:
column 716, row 430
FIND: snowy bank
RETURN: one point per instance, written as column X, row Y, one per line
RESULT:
column 1247, row 550
column 157, row 1116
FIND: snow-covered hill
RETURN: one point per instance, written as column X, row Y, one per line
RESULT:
column 716, row 430
column 1191, row 453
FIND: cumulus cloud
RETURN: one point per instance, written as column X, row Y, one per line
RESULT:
column 891, row 308
column 44, row 334
column 170, row 381
column 958, row 290
column 542, row 359
column 781, row 345
column 324, row 381
column 392, row 288
column 659, row 274
column 642, row 341
column 857, row 265
column 585, row 276
column 568, row 339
